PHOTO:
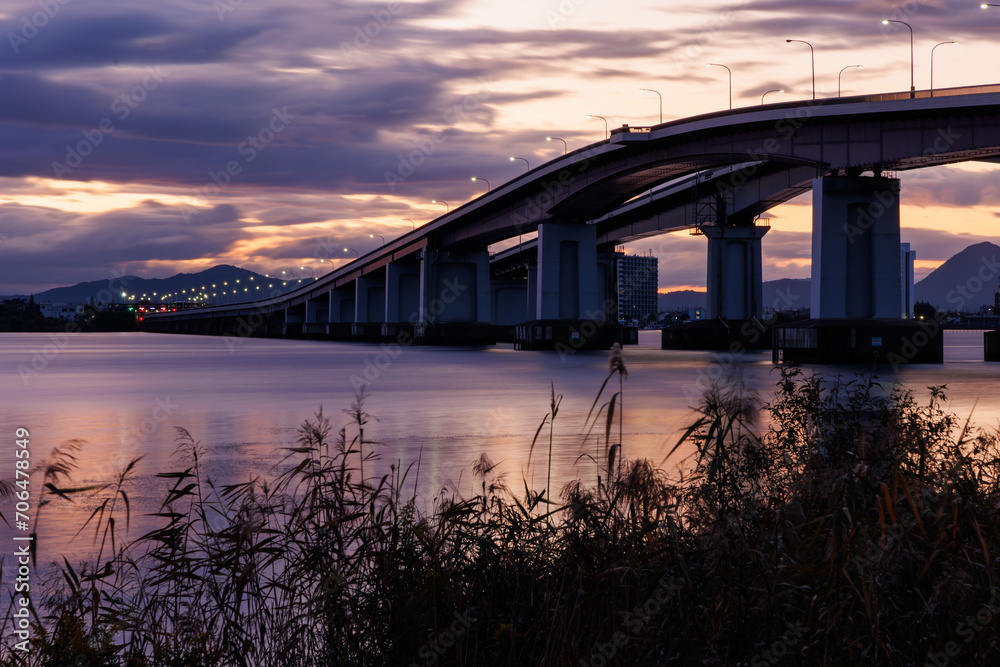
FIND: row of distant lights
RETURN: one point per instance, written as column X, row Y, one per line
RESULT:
column 204, row 295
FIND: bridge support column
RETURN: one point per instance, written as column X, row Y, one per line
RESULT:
column 857, row 283
column 369, row 299
column 402, row 292
column 567, row 271
column 855, row 248
column 735, row 278
column 455, row 297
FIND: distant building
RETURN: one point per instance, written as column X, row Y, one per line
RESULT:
column 61, row 311
column 637, row 283
column 906, row 260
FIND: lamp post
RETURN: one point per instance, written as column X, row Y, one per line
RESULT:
column 932, row 62
column 812, row 54
column 477, row 178
column 606, row 132
column 986, row 4
column 409, row 221
column 841, row 74
column 565, row 147
column 650, row 90
column 380, row 237
column 512, row 158
column 730, row 80
column 447, row 209
column 776, row 90
column 913, row 88
column 311, row 272
column 356, row 253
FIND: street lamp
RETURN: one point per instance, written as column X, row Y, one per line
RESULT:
column 381, row 238
column 841, row 74
column 606, row 132
column 913, row 88
column 358, row 254
column 477, row 178
column 512, row 158
column 776, row 90
column 730, row 80
column 309, row 269
column 447, row 209
column 812, row 53
column 986, row 4
column 650, row 90
column 565, row 147
column 932, row 62
column 409, row 221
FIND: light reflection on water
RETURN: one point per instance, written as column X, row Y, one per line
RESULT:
column 124, row 394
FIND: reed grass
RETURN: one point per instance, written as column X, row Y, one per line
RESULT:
column 853, row 526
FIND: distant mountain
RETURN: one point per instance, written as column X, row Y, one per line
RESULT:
column 189, row 282
column 965, row 282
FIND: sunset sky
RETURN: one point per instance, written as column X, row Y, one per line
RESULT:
column 118, row 119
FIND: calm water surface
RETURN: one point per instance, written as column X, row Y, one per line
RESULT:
column 124, row 394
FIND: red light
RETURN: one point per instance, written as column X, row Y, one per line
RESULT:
column 140, row 318
column 174, row 310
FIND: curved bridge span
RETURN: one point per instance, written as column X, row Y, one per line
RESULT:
column 717, row 171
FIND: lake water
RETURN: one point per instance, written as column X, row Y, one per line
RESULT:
column 124, row 394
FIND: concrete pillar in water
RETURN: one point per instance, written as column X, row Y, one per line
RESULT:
column 369, row 299
column 567, row 271
column 455, row 286
column 402, row 292
column 855, row 248
column 734, row 271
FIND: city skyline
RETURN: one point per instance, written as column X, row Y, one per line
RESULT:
column 154, row 140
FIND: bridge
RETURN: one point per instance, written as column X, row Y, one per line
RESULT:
column 717, row 172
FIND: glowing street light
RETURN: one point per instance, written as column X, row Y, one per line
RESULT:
column 357, row 254
column 650, row 90
column 913, row 88
column 447, row 209
column 309, row 269
column 565, row 147
column 512, row 158
column 841, row 74
column 381, row 238
column 776, row 90
column 730, row 80
column 409, row 221
column 932, row 62
column 607, row 133
column 986, row 4
column 477, row 178
column 812, row 53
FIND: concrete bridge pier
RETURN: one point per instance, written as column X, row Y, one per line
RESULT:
column 455, row 293
column 857, row 282
column 735, row 277
column 341, row 311
column 735, row 294
column 402, row 301
column 369, row 306
column 568, row 284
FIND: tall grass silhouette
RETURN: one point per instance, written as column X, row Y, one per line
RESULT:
column 851, row 526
